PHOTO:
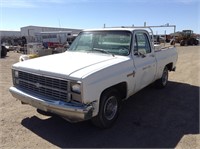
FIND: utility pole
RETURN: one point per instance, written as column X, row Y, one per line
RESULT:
column 145, row 24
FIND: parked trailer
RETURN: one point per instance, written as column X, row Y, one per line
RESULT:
column 55, row 38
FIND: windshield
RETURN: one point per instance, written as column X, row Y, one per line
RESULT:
column 108, row 42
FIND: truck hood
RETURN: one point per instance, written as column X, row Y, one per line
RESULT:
column 69, row 64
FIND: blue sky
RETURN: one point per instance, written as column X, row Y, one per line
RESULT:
column 84, row 14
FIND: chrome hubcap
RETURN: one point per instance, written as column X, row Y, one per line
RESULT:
column 165, row 77
column 110, row 108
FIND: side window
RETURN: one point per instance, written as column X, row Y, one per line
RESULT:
column 142, row 43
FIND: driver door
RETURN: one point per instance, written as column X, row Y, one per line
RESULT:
column 144, row 60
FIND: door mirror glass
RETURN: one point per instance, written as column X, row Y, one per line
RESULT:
column 142, row 51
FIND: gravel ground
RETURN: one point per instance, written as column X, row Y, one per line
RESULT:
column 152, row 118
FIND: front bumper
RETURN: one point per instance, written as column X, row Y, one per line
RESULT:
column 68, row 111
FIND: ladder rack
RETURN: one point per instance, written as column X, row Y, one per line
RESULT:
column 148, row 27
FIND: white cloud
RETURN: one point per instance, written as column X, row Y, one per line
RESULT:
column 38, row 3
column 50, row 1
column 28, row 3
column 152, row 1
column 16, row 3
column 186, row 1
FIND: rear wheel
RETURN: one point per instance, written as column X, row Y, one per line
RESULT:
column 108, row 110
column 196, row 42
column 162, row 82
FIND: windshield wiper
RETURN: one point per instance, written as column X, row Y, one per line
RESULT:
column 102, row 51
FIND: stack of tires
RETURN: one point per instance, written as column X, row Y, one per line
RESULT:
column 3, row 52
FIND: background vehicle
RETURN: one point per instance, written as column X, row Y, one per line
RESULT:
column 55, row 39
column 33, row 50
column 158, row 39
column 186, row 37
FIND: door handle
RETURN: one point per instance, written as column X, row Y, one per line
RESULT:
column 131, row 74
column 146, row 67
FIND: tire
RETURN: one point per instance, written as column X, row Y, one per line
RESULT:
column 172, row 42
column 3, row 52
column 108, row 110
column 196, row 42
column 190, row 42
column 182, row 43
column 162, row 82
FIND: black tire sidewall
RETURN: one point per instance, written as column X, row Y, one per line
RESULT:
column 165, row 72
column 105, row 123
column 160, row 83
column 3, row 51
column 196, row 42
column 182, row 43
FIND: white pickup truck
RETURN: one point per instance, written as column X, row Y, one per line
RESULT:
column 101, row 68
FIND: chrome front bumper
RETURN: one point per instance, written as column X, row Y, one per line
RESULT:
column 70, row 112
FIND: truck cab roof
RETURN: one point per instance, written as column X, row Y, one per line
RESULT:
column 117, row 28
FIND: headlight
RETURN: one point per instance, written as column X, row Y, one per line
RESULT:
column 76, row 88
column 16, row 73
column 16, row 81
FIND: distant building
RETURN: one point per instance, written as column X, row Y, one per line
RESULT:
column 10, row 33
column 9, row 36
column 31, row 31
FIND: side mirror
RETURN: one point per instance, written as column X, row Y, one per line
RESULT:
column 141, row 52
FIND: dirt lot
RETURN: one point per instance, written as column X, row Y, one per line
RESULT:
column 151, row 118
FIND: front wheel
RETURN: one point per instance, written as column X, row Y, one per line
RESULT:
column 182, row 43
column 108, row 110
column 162, row 82
column 172, row 42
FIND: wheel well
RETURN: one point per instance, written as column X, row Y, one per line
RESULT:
column 169, row 66
column 121, row 88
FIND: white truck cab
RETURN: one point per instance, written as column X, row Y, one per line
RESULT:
column 102, row 68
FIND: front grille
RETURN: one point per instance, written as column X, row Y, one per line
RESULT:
column 55, row 89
